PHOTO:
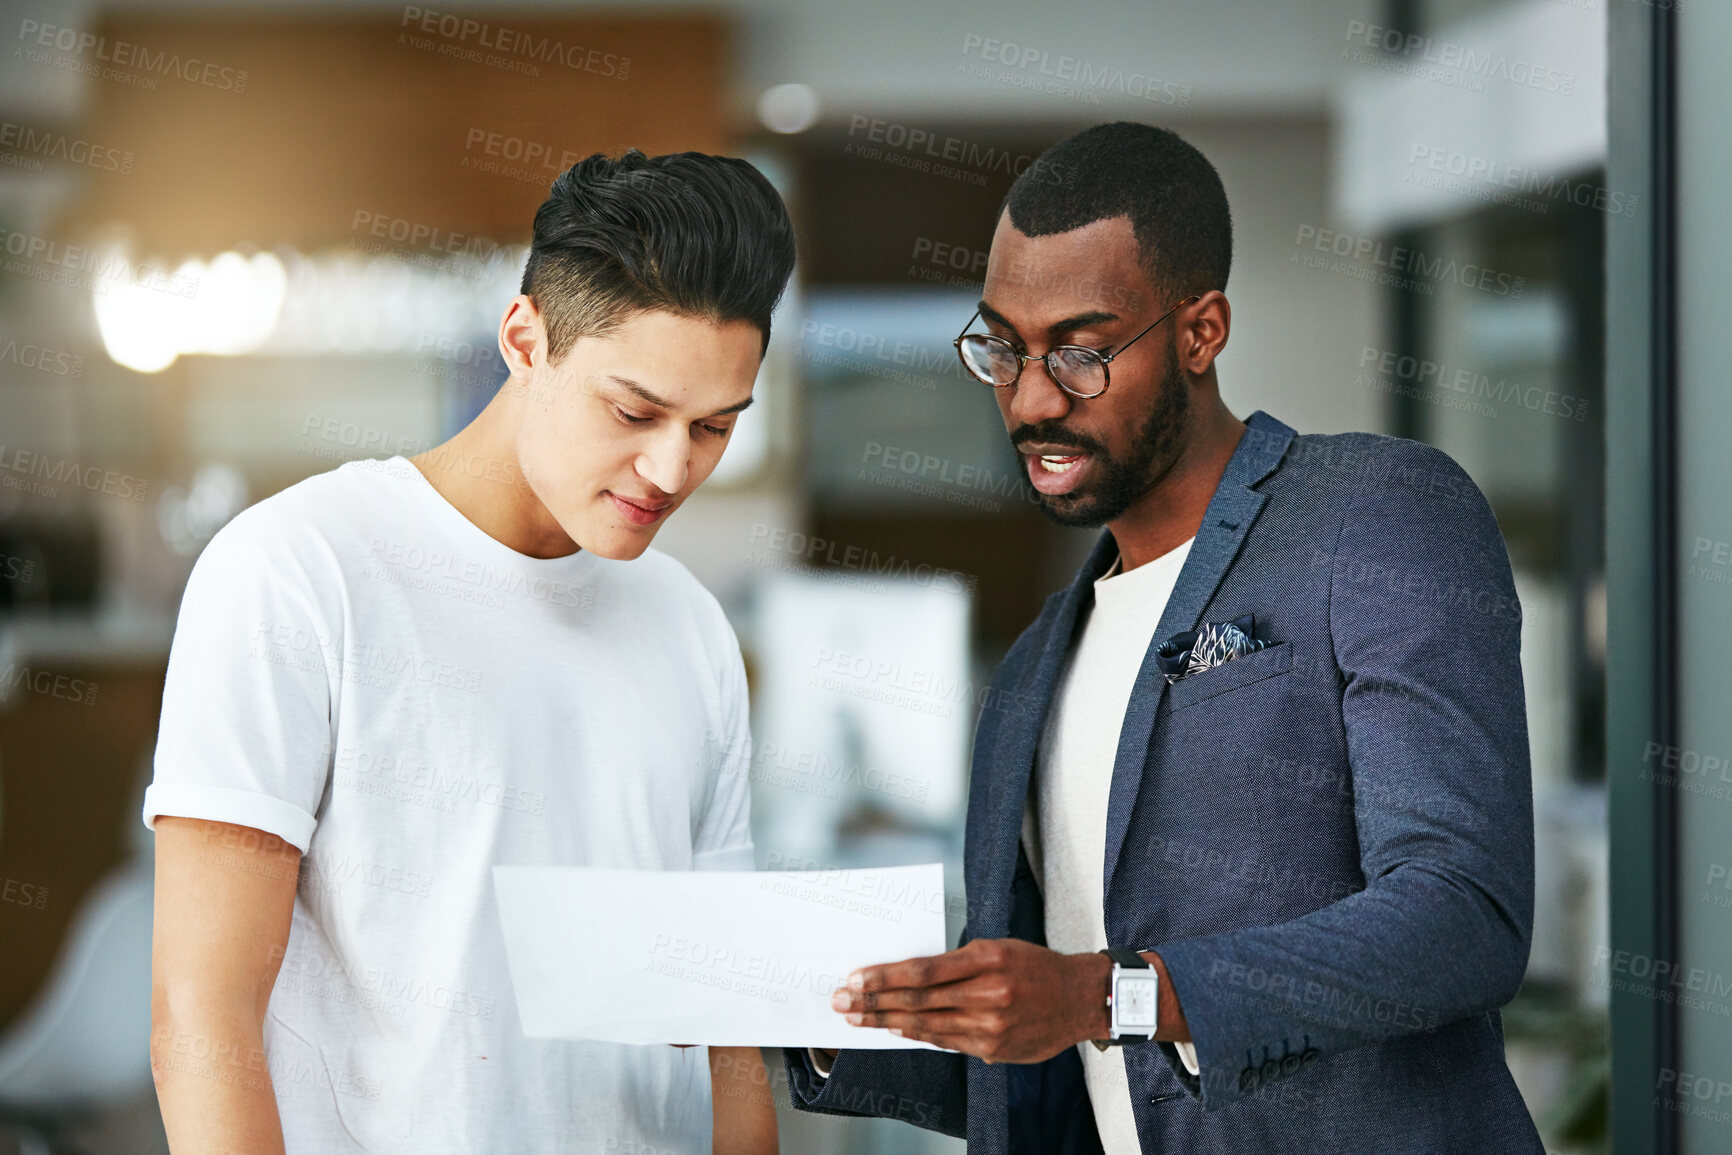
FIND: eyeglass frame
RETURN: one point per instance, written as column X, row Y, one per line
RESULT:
column 1022, row 359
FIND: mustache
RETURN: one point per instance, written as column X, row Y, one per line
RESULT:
column 1050, row 434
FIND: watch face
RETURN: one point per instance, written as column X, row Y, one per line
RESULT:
column 1134, row 1003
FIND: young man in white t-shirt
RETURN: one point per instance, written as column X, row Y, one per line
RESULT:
column 394, row 676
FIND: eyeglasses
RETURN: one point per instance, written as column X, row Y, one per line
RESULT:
column 1077, row 369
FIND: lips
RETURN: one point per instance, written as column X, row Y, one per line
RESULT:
column 1055, row 468
column 639, row 510
column 1057, row 471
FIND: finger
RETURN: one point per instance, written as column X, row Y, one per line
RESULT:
column 910, row 999
column 918, row 1022
column 949, row 967
column 977, row 992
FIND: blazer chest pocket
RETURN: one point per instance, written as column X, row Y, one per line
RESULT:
column 1269, row 662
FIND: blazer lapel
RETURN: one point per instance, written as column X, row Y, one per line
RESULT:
column 1226, row 522
column 1009, row 764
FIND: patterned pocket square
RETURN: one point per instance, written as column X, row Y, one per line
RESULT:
column 1208, row 645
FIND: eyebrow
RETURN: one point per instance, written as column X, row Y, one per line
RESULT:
column 633, row 387
column 1057, row 328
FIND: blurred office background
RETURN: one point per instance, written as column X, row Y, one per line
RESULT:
column 218, row 280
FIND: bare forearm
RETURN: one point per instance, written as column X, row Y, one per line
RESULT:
column 213, row 1086
column 224, row 898
column 744, row 1111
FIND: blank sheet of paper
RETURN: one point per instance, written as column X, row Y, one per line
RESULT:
column 723, row 958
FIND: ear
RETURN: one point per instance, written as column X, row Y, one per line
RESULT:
column 1202, row 331
column 522, row 336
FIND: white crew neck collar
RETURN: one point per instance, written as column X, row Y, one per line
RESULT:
column 1151, row 572
column 478, row 539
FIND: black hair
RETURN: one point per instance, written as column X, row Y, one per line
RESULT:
column 687, row 233
column 1171, row 193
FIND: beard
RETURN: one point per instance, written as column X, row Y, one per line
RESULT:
column 1120, row 480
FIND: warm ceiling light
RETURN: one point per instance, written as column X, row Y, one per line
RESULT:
column 297, row 304
column 136, row 319
column 239, row 300
column 148, row 318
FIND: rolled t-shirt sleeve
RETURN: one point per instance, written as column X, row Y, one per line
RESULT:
column 246, row 735
column 723, row 839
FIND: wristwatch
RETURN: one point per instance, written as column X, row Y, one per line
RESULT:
column 1132, row 998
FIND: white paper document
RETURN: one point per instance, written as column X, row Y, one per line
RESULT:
column 722, row 958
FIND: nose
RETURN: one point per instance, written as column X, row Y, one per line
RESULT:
column 1034, row 398
column 667, row 461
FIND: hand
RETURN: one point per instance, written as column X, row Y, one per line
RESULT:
column 1004, row 1000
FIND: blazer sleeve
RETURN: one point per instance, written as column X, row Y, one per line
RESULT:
column 926, row 1088
column 1426, row 632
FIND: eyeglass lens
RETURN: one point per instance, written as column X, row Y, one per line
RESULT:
column 993, row 359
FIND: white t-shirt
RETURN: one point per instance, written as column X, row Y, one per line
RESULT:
column 362, row 671
column 1065, row 825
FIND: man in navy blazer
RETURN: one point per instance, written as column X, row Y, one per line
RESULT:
column 1318, row 827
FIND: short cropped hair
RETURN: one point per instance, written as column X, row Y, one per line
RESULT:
column 687, row 233
column 1171, row 193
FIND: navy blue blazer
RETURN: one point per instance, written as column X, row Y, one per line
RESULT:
column 1328, row 840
